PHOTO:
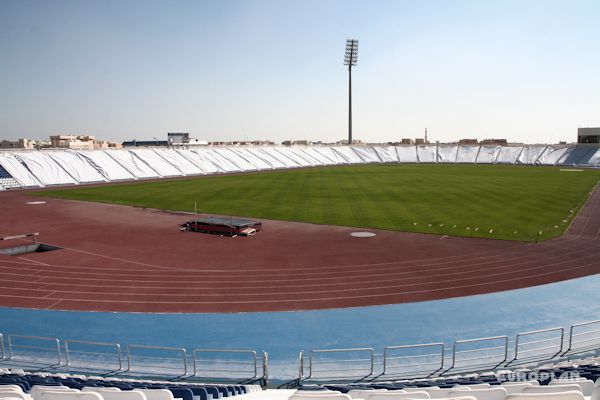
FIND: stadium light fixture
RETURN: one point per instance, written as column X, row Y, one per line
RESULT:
column 350, row 59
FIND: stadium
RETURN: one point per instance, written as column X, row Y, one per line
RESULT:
column 389, row 267
column 133, row 268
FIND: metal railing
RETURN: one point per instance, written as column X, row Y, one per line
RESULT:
column 219, row 364
column 93, row 356
column 354, row 364
column 411, row 360
column 584, row 337
column 35, row 350
column 46, row 354
column 301, row 365
column 540, row 344
column 157, row 361
column 265, row 360
column 341, row 363
column 479, row 353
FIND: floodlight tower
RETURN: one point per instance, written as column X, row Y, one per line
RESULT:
column 350, row 60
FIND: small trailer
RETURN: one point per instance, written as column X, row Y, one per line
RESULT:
column 224, row 226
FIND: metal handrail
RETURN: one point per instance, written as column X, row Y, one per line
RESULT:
column 571, row 335
column 389, row 348
column 415, row 364
column 415, row 356
column 362, row 349
column 1, row 346
column 530, row 333
column 251, row 352
column 43, row 338
column 586, row 332
column 301, row 366
column 181, row 350
column 265, row 366
column 117, row 346
column 343, row 360
column 459, row 342
column 538, row 341
column 480, row 350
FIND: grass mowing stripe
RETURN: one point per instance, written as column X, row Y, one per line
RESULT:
column 450, row 197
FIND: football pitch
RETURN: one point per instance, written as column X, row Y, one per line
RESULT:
column 492, row 201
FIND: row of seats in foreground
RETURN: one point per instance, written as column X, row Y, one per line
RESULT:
column 558, row 389
column 20, row 385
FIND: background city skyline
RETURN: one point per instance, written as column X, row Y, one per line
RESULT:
column 273, row 70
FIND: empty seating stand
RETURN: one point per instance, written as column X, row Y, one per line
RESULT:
column 43, row 386
column 570, row 380
column 7, row 181
column 70, row 167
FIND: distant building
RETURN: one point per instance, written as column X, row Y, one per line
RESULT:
column 75, row 142
column 354, row 141
column 104, row 144
column 8, row 144
column 27, row 144
column 78, row 142
column 467, row 141
column 497, row 142
column 296, row 142
column 22, row 144
column 419, row 141
column 588, row 135
column 407, row 141
column 178, row 138
column 144, row 143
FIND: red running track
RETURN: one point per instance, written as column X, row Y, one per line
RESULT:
column 118, row 258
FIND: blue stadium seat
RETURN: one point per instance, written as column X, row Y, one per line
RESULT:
column 182, row 393
column 201, row 393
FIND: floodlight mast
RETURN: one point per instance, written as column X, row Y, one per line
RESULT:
column 350, row 59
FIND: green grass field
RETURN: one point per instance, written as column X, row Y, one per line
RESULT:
column 502, row 202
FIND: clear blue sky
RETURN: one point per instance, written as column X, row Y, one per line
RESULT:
column 524, row 70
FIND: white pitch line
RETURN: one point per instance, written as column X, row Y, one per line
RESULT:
column 119, row 259
column 35, row 261
column 262, row 301
column 481, row 277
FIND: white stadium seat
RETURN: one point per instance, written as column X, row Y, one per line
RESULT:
column 552, row 389
column 458, row 398
column 14, row 394
column 122, row 395
column 443, row 393
column 496, row 393
column 398, row 395
column 301, row 392
column 474, row 386
column 515, row 387
column 156, row 394
column 11, row 387
column 318, row 395
column 586, row 385
column 63, row 395
column 39, row 390
column 362, row 393
column 547, row 396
